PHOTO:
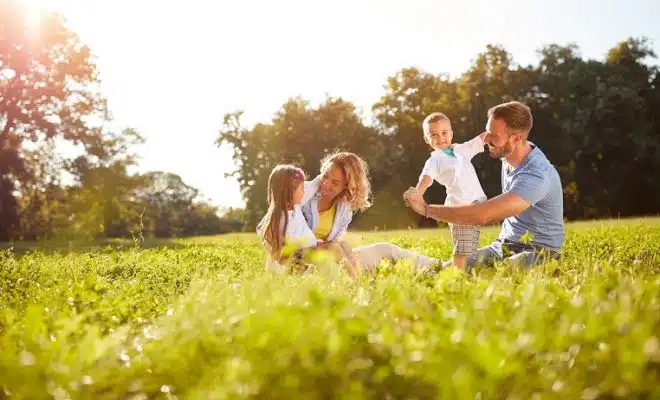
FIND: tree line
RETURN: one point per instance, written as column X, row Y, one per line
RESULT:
column 598, row 121
column 49, row 94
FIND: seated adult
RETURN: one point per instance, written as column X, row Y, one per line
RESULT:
column 343, row 189
column 531, row 203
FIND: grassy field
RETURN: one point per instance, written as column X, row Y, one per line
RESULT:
column 199, row 318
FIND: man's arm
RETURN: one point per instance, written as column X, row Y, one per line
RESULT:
column 495, row 209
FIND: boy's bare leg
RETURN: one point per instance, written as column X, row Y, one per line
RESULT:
column 460, row 261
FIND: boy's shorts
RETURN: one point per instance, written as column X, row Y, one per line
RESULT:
column 465, row 238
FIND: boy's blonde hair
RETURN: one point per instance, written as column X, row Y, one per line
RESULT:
column 431, row 118
column 282, row 184
column 356, row 173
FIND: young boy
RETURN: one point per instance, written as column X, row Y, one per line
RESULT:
column 451, row 167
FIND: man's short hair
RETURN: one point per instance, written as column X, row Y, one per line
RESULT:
column 516, row 115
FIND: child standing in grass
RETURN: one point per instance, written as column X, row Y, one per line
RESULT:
column 283, row 231
column 451, row 166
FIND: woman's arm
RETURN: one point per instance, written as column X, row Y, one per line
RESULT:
column 310, row 188
column 297, row 232
column 343, row 251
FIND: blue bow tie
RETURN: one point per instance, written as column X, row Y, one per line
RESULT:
column 449, row 151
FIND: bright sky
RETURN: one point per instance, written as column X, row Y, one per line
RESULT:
column 172, row 69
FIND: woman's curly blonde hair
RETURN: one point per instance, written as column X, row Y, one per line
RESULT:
column 356, row 173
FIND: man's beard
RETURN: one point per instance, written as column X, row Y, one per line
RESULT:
column 500, row 151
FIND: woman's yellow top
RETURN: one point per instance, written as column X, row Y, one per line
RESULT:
column 326, row 218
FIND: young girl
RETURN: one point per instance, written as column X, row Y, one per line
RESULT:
column 283, row 231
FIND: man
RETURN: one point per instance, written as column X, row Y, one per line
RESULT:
column 531, row 203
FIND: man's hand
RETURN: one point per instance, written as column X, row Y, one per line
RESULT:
column 414, row 199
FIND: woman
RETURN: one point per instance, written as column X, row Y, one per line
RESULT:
column 344, row 188
column 283, row 231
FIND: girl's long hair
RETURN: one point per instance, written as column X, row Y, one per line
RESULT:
column 282, row 184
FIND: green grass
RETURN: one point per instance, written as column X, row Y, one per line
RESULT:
column 199, row 318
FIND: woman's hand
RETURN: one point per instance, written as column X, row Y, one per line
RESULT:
column 344, row 252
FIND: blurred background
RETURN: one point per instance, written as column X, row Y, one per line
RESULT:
column 142, row 118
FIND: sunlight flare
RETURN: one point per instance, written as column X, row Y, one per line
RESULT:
column 33, row 12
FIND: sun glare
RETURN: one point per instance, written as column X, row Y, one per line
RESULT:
column 33, row 10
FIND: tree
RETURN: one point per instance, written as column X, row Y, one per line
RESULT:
column 49, row 89
column 234, row 218
column 203, row 219
column 42, row 202
column 298, row 134
column 104, row 203
column 167, row 201
column 592, row 118
column 595, row 119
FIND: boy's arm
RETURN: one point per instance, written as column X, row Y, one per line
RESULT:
column 424, row 183
column 472, row 147
column 426, row 177
column 434, row 170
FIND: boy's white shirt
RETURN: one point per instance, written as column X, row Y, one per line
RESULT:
column 297, row 233
column 457, row 174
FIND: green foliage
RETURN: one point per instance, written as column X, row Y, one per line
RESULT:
column 199, row 318
column 298, row 134
column 591, row 118
column 43, row 200
column 106, row 200
column 172, row 208
column 49, row 89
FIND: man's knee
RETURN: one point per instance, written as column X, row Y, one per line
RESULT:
column 531, row 258
column 485, row 256
column 522, row 259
